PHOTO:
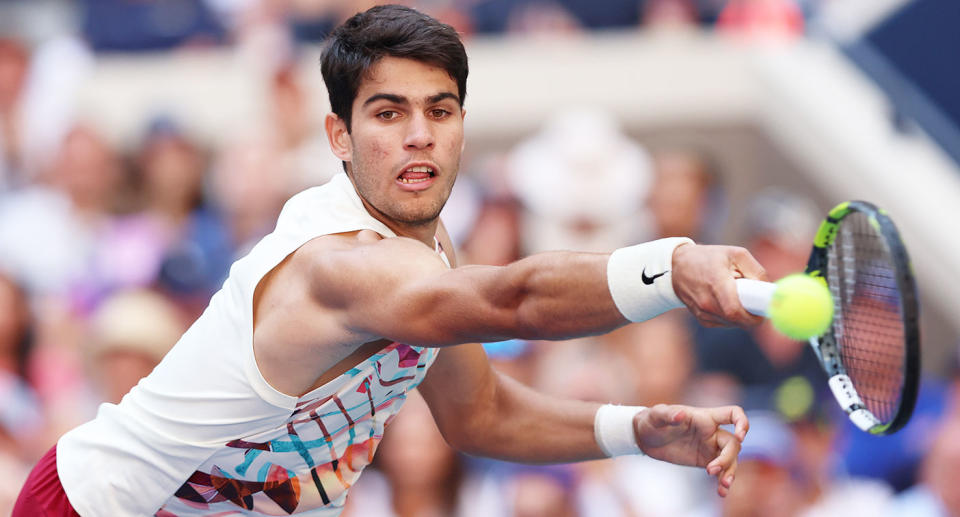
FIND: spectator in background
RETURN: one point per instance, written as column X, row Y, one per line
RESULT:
column 762, row 20
column 49, row 236
column 47, row 232
column 519, row 16
column 483, row 216
column 23, row 428
column 21, row 416
column 149, row 25
column 249, row 188
column 305, row 156
column 196, row 249
column 312, row 21
column 129, row 333
column 542, row 491
column 14, row 61
column 16, row 328
column 494, row 239
column 497, row 16
column 663, row 349
column 936, row 495
column 684, row 195
column 581, row 182
column 825, row 488
column 669, row 14
column 169, row 238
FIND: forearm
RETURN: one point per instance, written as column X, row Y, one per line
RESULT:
column 560, row 295
column 521, row 425
column 565, row 295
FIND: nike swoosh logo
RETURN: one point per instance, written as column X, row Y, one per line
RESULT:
column 648, row 280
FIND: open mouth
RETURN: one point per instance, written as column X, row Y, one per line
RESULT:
column 416, row 174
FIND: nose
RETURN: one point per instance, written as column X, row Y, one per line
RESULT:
column 419, row 134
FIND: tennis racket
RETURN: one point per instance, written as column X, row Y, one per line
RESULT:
column 871, row 352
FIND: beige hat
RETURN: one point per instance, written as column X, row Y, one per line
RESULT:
column 136, row 320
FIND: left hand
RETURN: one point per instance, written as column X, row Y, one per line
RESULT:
column 687, row 435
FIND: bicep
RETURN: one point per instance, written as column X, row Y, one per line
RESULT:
column 400, row 290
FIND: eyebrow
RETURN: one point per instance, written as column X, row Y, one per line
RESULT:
column 440, row 96
column 396, row 99
column 400, row 99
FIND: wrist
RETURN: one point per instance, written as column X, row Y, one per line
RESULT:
column 640, row 278
column 614, row 430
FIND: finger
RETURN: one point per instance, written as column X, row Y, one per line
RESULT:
column 745, row 263
column 732, row 415
column 730, row 307
column 709, row 320
column 712, row 323
column 724, row 466
column 727, row 457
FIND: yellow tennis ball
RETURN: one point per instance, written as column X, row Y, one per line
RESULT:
column 801, row 307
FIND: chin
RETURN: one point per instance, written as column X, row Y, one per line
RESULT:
column 417, row 219
column 418, row 215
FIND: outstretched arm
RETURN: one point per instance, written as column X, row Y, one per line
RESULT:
column 400, row 290
column 484, row 413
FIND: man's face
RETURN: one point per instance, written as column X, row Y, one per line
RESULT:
column 405, row 141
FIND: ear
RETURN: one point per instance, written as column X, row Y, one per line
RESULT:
column 338, row 137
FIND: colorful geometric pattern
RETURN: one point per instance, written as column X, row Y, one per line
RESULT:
column 309, row 461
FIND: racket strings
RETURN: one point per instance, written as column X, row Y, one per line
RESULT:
column 868, row 324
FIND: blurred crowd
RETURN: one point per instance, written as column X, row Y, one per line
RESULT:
column 124, row 25
column 108, row 252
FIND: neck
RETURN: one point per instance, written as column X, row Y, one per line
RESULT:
column 423, row 232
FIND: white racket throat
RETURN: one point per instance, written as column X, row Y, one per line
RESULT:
column 852, row 404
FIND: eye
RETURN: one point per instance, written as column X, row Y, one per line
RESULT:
column 387, row 115
column 439, row 113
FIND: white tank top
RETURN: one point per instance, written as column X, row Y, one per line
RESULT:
column 205, row 434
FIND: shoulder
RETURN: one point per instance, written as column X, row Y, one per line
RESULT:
column 362, row 246
column 365, row 260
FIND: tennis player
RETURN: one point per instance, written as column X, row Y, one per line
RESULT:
column 275, row 399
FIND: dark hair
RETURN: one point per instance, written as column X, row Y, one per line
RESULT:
column 23, row 337
column 387, row 30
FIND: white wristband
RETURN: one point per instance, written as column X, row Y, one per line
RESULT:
column 613, row 430
column 640, row 280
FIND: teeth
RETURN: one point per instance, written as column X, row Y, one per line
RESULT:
column 419, row 180
column 420, row 168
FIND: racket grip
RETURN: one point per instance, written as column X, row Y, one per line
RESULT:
column 755, row 295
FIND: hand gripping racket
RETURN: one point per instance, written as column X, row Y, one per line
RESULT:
column 871, row 352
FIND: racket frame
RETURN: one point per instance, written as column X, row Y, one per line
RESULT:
column 826, row 346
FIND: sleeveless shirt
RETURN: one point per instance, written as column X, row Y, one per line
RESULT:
column 205, row 434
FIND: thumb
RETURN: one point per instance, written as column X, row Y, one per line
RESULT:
column 662, row 415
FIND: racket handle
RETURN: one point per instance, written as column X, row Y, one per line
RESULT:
column 755, row 295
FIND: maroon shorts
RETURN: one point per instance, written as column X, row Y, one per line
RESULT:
column 42, row 495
